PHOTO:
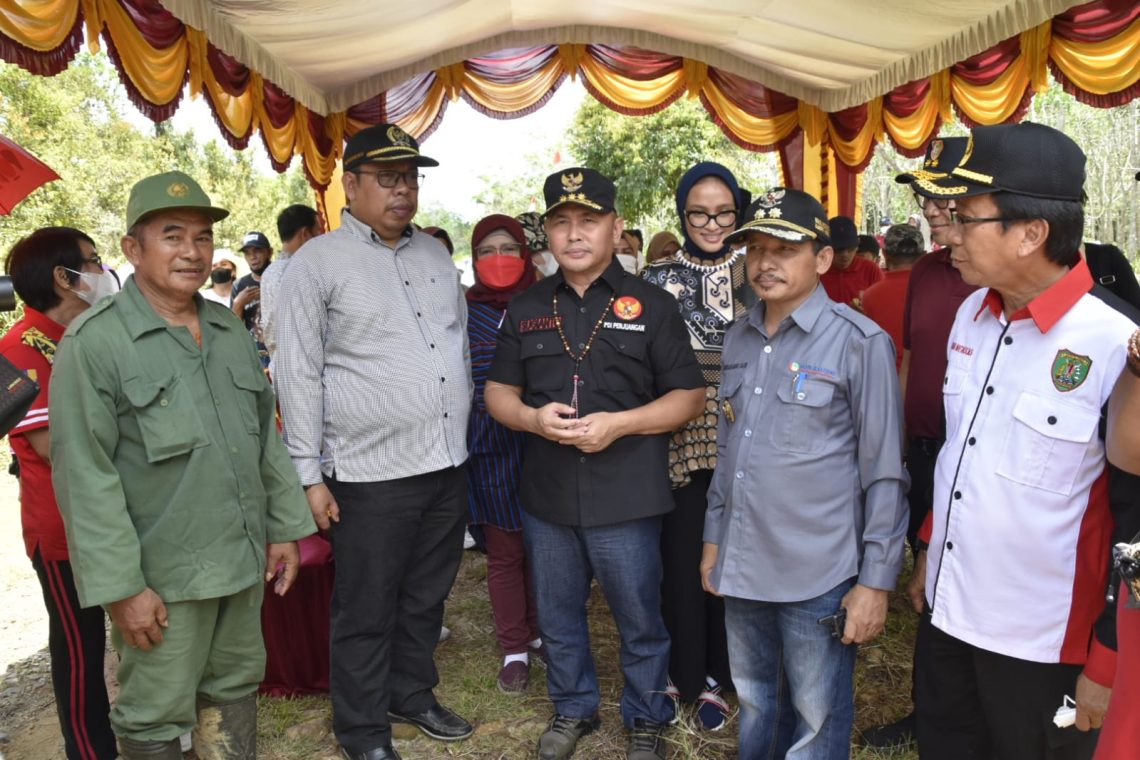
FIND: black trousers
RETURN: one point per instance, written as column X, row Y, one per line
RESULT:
column 921, row 455
column 975, row 704
column 397, row 549
column 77, row 640
column 694, row 618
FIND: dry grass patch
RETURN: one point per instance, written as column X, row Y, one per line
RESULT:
column 507, row 728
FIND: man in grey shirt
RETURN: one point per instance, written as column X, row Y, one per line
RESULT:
column 374, row 380
column 806, row 513
column 296, row 225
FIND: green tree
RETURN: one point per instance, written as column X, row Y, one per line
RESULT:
column 75, row 123
column 458, row 228
column 646, row 156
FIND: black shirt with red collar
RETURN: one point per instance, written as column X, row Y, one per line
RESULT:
column 641, row 352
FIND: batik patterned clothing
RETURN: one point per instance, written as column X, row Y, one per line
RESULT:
column 495, row 463
column 710, row 296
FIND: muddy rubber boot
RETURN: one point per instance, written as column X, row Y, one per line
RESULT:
column 131, row 749
column 227, row 730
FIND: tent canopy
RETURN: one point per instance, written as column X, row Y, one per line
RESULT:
column 822, row 81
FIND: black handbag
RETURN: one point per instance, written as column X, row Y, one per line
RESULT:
column 17, row 393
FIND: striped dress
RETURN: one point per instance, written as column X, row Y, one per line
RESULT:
column 495, row 463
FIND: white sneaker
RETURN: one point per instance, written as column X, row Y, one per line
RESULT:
column 468, row 540
column 444, row 633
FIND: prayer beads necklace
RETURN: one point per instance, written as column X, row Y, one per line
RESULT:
column 579, row 358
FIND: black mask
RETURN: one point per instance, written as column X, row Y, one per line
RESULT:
column 221, row 276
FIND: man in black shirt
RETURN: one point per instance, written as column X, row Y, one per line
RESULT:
column 245, row 299
column 596, row 366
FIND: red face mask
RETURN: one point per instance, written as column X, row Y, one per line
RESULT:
column 499, row 272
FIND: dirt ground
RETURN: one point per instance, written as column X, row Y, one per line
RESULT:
column 506, row 727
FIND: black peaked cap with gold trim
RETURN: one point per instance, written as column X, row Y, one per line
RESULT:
column 1027, row 159
column 942, row 155
column 785, row 213
column 585, row 187
column 380, row 143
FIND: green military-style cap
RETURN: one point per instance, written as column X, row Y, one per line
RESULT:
column 169, row 190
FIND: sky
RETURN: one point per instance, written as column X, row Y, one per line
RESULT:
column 467, row 144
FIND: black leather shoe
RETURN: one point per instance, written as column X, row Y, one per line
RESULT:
column 897, row 735
column 437, row 722
column 376, row 753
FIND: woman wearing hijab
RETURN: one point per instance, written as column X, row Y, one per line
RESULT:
column 503, row 268
column 663, row 245
column 708, row 280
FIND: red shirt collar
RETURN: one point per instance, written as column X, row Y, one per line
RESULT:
column 1051, row 304
column 45, row 324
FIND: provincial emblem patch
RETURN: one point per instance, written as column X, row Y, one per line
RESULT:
column 1069, row 370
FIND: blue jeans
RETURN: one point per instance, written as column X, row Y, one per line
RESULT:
column 791, row 674
column 626, row 560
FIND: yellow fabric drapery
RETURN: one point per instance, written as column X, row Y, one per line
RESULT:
column 1102, row 68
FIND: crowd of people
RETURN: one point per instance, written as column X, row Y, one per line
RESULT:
column 737, row 439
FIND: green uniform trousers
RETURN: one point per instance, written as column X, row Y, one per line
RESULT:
column 211, row 649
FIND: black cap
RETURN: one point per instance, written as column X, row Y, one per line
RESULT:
column 383, row 142
column 254, row 240
column 585, row 187
column 1026, row 159
column 844, row 233
column 942, row 155
column 785, row 213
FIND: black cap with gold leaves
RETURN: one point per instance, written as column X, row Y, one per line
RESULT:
column 942, row 155
column 582, row 186
column 786, row 213
column 383, row 142
column 1025, row 159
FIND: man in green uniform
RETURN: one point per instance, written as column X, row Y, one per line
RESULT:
column 179, row 499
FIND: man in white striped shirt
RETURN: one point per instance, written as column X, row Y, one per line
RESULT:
column 374, row 380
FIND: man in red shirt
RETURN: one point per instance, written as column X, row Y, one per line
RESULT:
column 850, row 274
column 884, row 301
column 934, row 292
column 57, row 274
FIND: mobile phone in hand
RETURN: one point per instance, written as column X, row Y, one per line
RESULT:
column 835, row 623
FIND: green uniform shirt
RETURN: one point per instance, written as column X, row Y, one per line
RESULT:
column 166, row 459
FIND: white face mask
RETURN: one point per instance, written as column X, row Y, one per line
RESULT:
column 628, row 262
column 548, row 265
column 98, row 286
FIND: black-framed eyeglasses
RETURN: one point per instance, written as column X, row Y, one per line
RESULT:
column 384, row 178
column 701, row 218
column 939, row 203
column 962, row 220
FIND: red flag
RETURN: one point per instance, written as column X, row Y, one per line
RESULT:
column 20, row 174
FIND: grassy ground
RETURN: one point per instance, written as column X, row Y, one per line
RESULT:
column 507, row 728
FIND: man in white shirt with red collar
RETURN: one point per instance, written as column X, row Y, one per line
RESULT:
column 1018, row 561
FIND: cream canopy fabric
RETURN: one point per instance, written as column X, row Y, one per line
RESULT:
column 832, row 54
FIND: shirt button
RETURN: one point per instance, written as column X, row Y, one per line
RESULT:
column 419, row 314
column 432, row 345
column 990, row 391
column 972, row 440
column 949, row 546
column 740, row 474
column 957, row 494
column 800, row 396
column 747, row 433
column 757, row 391
column 582, row 309
column 445, row 415
column 581, row 346
column 1052, row 420
column 1009, row 340
column 582, row 459
column 767, row 349
column 407, row 283
column 443, row 379
column 539, row 346
column 164, row 402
